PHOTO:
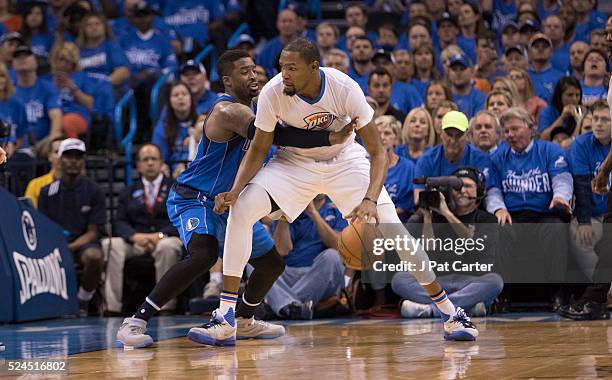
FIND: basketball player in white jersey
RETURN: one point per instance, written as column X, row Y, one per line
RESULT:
column 306, row 96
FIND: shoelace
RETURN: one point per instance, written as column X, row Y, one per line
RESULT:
column 462, row 318
column 213, row 323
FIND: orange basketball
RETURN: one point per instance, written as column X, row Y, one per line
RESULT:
column 355, row 245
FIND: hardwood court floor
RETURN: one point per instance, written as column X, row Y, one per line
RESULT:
column 526, row 347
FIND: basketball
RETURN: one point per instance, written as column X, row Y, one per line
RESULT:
column 354, row 241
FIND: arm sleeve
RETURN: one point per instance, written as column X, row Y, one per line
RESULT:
column 582, row 189
column 563, row 186
column 495, row 200
column 295, row 137
column 122, row 226
column 357, row 106
column 558, row 168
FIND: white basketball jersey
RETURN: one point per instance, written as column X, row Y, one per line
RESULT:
column 340, row 101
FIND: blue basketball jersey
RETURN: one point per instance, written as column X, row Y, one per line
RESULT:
column 214, row 168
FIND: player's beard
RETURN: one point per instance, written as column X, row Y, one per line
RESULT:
column 289, row 91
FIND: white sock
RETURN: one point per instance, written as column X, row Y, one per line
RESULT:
column 228, row 301
column 444, row 304
column 84, row 295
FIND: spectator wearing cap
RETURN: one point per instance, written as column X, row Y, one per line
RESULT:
column 516, row 56
column 173, row 130
column 356, row 15
column 40, row 98
column 36, row 184
column 147, row 49
column 454, row 152
column 35, row 30
column 100, row 55
column 194, row 75
column 510, row 35
column 77, row 204
column 398, row 181
column 527, row 29
column 244, row 42
column 287, row 26
column 76, row 89
column 123, row 25
column 473, row 291
column 587, row 19
column 531, row 183
column 327, row 37
column 554, row 28
column 361, row 63
column 468, row 99
column 485, row 132
column 192, row 19
column 543, row 75
column 141, row 227
column 379, row 87
column 387, row 37
column 565, row 110
column 8, row 43
column 577, row 53
column 488, row 67
column 595, row 70
column 337, row 59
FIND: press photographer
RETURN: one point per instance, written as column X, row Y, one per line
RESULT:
column 437, row 223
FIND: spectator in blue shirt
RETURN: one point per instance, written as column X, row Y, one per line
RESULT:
column 35, row 31
column 469, row 20
column 586, row 19
column 76, row 90
column 468, row 99
column 565, row 110
column 425, row 67
column 40, row 99
column 327, row 37
column 554, row 27
column 314, row 270
column 12, row 114
column 485, row 131
column 595, row 70
column 418, row 135
column 531, row 183
column 194, row 76
column 404, row 96
column 356, row 16
column 398, row 182
column 192, row 19
column 8, row 44
column 577, row 53
column 100, row 55
column 286, row 23
column 543, row 75
column 588, row 153
column 172, row 133
column 453, row 153
column 361, row 62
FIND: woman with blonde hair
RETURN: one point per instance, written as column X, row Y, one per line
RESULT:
column 418, row 134
column 532, row 103
column 75, row 87
column 100, row 55
column 498, row 101
column 507, row 85
column 398, row 182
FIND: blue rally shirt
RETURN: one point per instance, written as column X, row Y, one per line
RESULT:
column 471, row 103
column 544, row 81
column 587, row 156
column 399, row 184
column 67, row 100
column 38, row 100
column 13, row 114
column 149, row 51
column 103, row 59
column 525, row 179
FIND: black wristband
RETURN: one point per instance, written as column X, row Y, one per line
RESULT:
column 370, row 199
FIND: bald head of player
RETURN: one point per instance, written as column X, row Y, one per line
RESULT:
column 237, row 71
column 299, row 66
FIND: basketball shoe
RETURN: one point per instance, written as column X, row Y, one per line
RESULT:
column 251, row 328
column 459, row 327
column 220, row 331
column 132, row 334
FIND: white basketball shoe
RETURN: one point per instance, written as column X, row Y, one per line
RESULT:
column 132, row 334
column 459, row 327
column 251, row 328
column 220, row 331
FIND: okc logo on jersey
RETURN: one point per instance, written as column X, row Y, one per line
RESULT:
column 319, row 120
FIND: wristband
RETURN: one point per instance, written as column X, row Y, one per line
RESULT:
column 370, row 199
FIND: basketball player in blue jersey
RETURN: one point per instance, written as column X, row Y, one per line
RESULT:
column 191, row 201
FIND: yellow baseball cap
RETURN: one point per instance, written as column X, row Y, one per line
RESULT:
column 455, row 119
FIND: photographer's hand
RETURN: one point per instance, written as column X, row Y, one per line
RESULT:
column 462, row 230
column 2, row 156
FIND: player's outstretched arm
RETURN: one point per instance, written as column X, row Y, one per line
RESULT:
column 250, row 165
column 378, row 171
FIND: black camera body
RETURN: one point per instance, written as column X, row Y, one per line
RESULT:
column 430, row 197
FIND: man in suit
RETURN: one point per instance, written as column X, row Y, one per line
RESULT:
column 142, row 226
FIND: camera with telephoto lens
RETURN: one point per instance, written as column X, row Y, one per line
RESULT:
column 430, row 197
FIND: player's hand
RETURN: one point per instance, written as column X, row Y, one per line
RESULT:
column 2, row 156
column 344, row 134
column 561, row 203
column 503, row 217
column 364, row 212
column 224, row 200
column 585, row 234
column 599, row 184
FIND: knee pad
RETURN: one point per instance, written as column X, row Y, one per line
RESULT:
column 271, row 263
column 203, row 251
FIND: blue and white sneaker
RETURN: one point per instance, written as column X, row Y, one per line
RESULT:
column 251, row 328
column 220, row 331
column 132, row 334
column 2, row 346
column 459, row 327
